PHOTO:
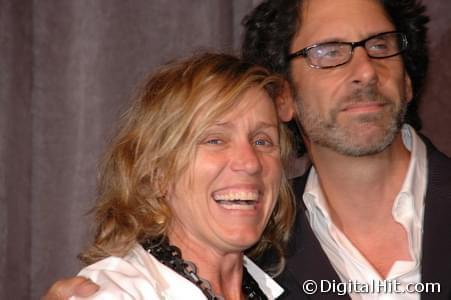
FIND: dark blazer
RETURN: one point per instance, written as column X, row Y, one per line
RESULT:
column 307, row 261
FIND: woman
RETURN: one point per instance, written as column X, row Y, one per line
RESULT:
column 192, row 181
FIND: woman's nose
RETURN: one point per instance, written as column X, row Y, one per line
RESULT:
column 246, row 158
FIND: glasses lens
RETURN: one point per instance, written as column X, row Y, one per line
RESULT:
column 329, row 55
column 385, row 45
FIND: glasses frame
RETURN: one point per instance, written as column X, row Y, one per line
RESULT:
column 303, row 52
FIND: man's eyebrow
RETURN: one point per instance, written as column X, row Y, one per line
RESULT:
column 329, row 40
column 344, row 40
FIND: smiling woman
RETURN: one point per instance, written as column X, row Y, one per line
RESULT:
column 193, row 181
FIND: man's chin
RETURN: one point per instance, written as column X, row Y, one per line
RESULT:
column 365, row 144
column 358, row 142
column 360, row 151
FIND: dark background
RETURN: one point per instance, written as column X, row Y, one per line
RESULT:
column 67, row 68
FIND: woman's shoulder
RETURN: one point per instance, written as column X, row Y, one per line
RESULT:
column 137, row 275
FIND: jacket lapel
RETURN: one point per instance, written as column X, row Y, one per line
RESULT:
column 436, row 257
column 306, row 260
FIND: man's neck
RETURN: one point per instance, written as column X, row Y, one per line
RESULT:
column 360, row 192
column 361, row 186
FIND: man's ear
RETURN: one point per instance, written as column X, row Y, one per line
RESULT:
column 285, row 104
column 408, row 88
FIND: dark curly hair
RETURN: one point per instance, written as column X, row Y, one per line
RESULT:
column 271, row 26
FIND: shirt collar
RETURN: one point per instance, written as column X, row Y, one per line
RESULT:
column 313, row 197
column 414, row 185
column 268, row 285
column 408, row 206
column 157, row 275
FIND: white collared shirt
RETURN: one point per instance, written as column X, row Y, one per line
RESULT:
column 139, row 275
column 408, row 210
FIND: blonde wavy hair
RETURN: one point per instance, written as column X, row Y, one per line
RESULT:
column 156, row 142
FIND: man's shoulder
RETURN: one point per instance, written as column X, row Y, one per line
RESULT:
column 436, row 262
column 433, row 152
column 298, row 184
column 439, row 166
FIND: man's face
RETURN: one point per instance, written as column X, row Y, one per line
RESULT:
column 355, row 109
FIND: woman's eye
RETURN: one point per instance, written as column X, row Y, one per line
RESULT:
column 263, row 142
column 214, row 141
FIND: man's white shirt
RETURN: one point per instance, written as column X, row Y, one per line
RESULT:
column 408, row 210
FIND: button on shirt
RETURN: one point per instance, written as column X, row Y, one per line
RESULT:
column 408, row 209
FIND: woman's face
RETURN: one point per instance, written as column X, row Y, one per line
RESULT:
column 225, row 198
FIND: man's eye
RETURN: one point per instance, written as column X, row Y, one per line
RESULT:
column 379, row 46
column 331, row 53
column 328, row 51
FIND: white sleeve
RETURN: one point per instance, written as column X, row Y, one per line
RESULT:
column 118, row 279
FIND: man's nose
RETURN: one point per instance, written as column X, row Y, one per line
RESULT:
column 246, row 158
column 362, row 67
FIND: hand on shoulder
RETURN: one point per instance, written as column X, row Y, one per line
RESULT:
column 75, row 286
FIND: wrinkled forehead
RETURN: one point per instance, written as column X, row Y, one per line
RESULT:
column 230, row 107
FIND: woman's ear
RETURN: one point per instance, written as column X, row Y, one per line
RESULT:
column 159, row 184
column 285, row 104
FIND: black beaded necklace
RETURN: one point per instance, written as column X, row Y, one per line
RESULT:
column 171, row 257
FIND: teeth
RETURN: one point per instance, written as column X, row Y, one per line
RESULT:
column 237, row 196
column 237, row 200
column 238, row 204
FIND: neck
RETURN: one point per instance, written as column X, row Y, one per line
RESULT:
column 361, row 190
column 224, row 271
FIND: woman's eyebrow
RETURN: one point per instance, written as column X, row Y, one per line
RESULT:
column 260, row 124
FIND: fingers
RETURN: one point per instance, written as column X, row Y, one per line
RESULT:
column 86, row 288
column 65, row 288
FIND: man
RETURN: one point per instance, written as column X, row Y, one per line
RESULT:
column 370, row 209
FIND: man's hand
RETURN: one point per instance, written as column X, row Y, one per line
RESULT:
column 75, row 286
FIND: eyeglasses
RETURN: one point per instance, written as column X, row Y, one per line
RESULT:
column 334, row 54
